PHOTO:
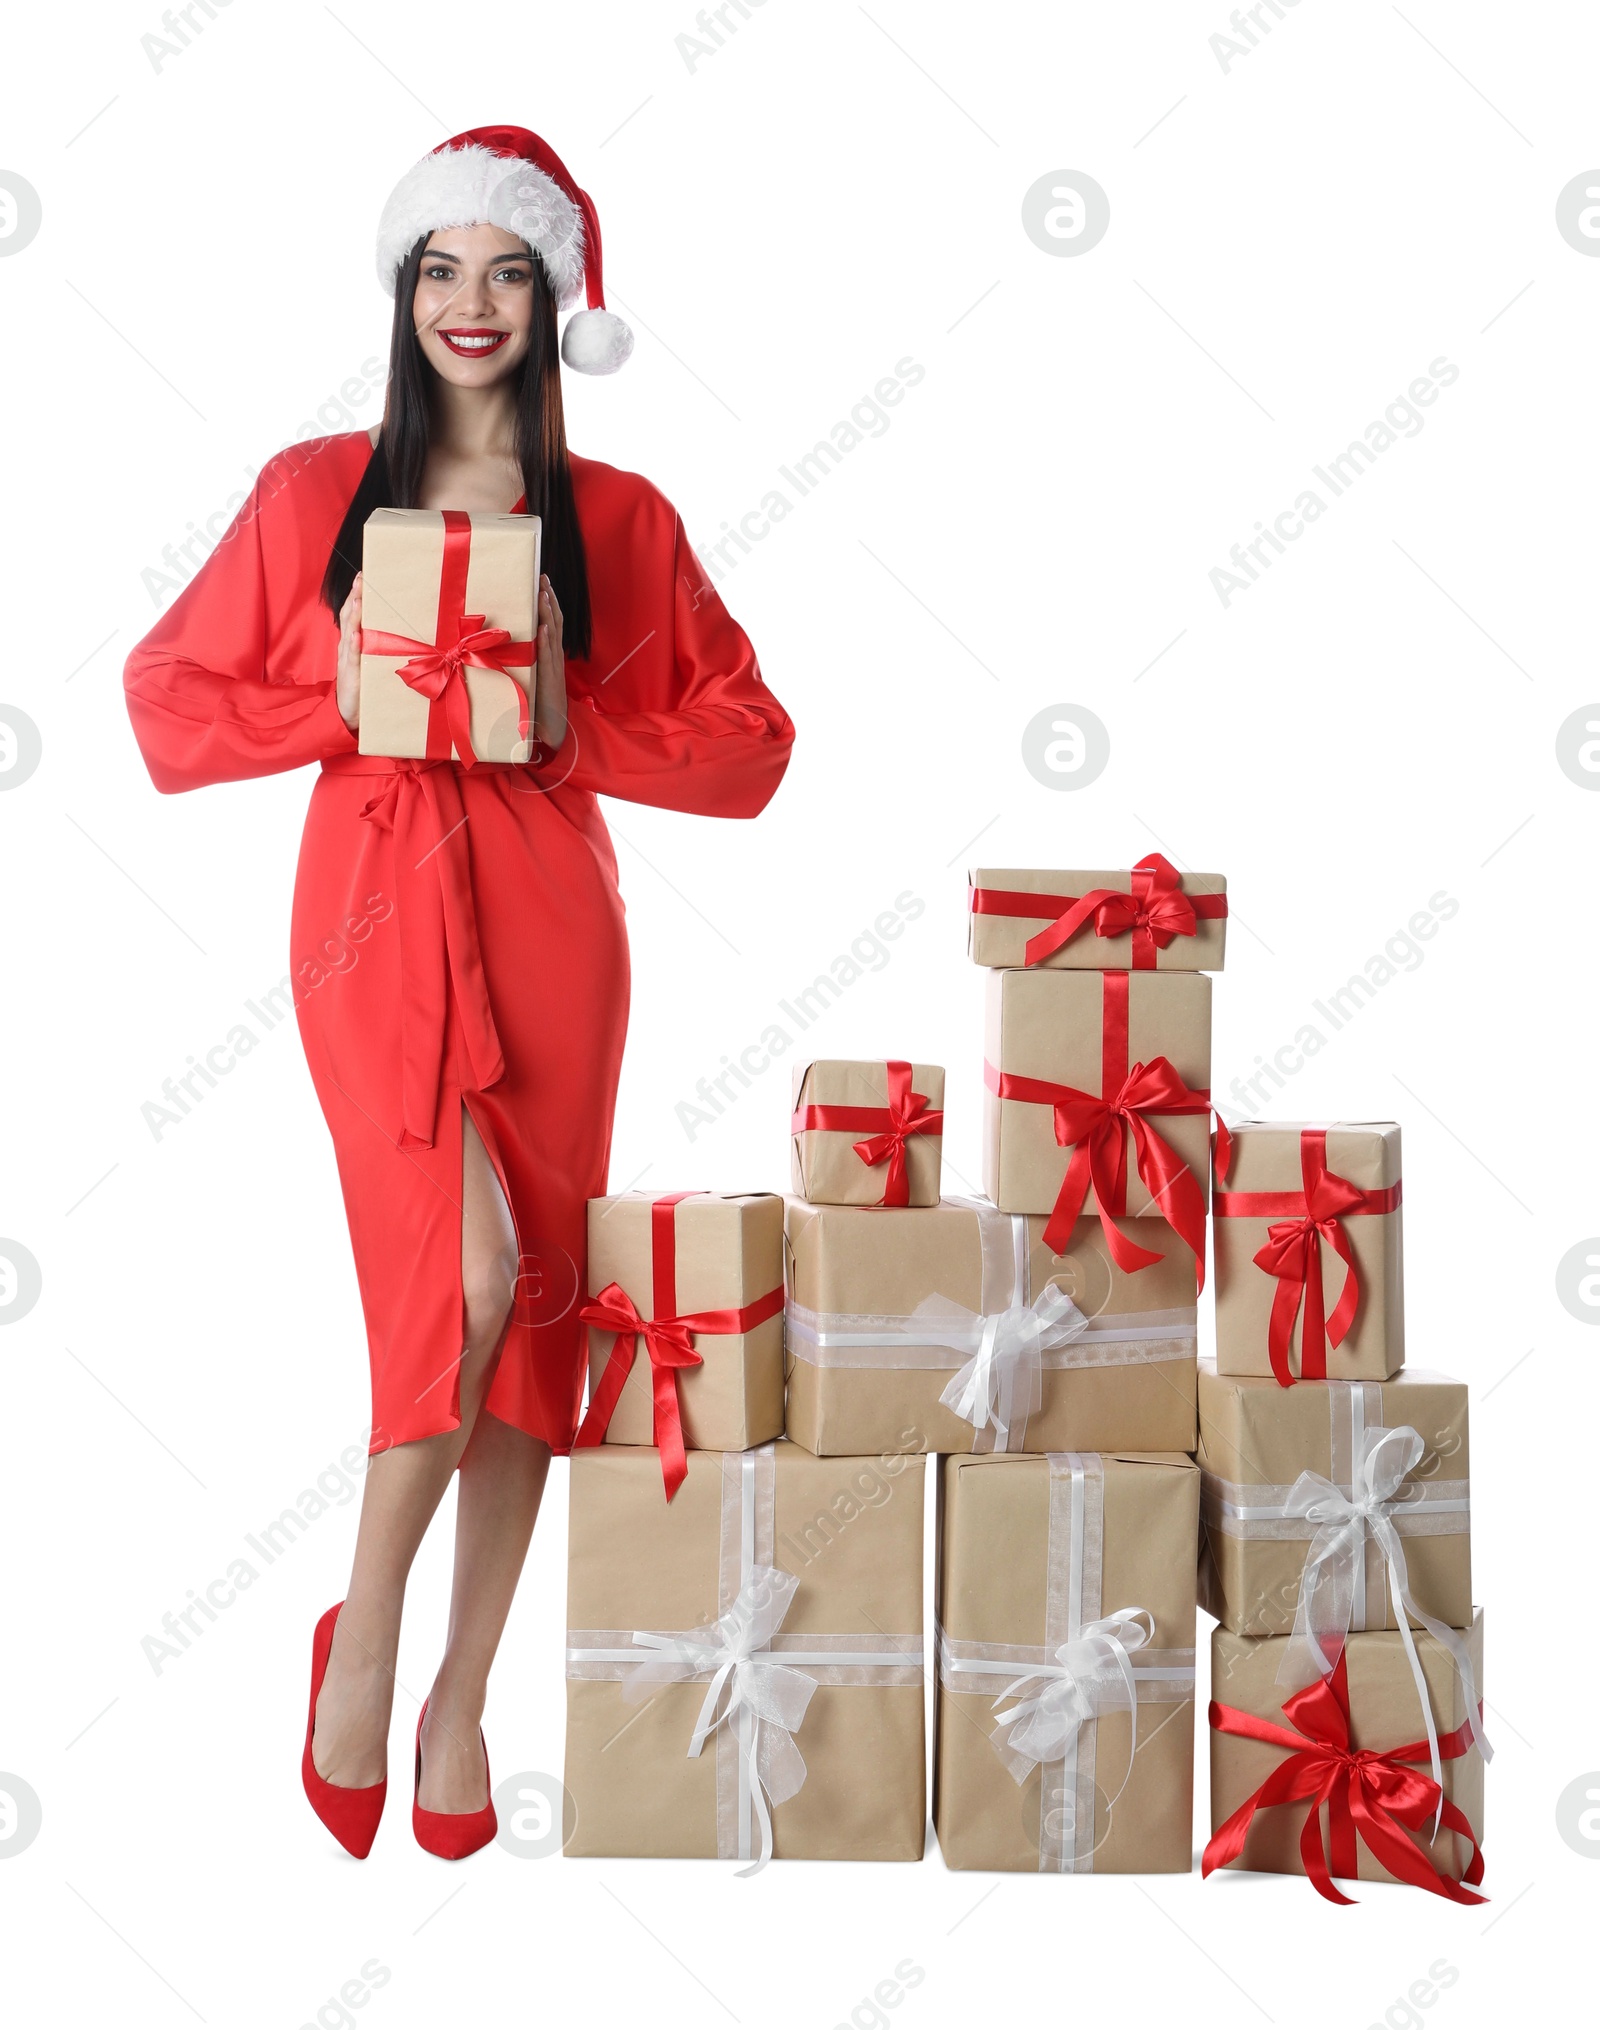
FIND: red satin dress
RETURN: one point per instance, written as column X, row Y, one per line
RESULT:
column 457, row 935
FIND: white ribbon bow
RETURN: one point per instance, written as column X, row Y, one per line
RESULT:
column 1090, row 1674
column 1002, row 1384
column 1326, row 1604
column 771, row 1697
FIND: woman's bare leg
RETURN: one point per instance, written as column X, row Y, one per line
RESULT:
column 497, row 1502
column 404, row 1487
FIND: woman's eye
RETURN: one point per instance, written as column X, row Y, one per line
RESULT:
column 437, row 274
column 513, row 275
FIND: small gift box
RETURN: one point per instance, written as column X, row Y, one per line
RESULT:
column 954, row 1328
column 745, row 1669
column 1338, row 1779
column 1148, row 918
column 1098, row 1096
column 1064, row 1718
column 1307, row 1252
column 1336, row 1507
column 448, row 629
column 685, row 1323
column 867, row 1134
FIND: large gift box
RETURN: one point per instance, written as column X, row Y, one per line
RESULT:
column 1064, row 1718
column 867, row 1134
column 685, row 1322
column 448, row 630
column 1148, row 918
column 1333, row 1780
column 1307, row 1251
column 745, row 1668
column 1098, row 1095
column 1334, row 1504
column 954, row 1328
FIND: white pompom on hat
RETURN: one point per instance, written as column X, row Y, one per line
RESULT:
column 507, row 177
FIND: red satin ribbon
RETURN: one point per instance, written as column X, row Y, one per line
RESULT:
column 1370, row 1797
column 1293, row 1253
column 1096, row 1127
column 668, row 1342
column 1154, row 911
column 420, row 802
column 907, row 1113
column 437, row 669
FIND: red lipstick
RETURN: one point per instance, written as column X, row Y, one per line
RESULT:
column 474, row 341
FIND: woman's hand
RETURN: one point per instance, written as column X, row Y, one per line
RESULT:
column 347, row 687
column 550, row 680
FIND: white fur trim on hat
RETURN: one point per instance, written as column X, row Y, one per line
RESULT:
column 595, row 342
column 475, row 186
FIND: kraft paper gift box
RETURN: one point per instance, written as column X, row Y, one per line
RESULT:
column 773, row 1617
column 1057, row 1578
column 1370, row 1703
column 1381, row 1466
column 1306, row 1246
column 694, row 1281
column 865, row 1133
column 1148, row 918
column 889, row 1312
column 1060, row 1050
column 448, row 621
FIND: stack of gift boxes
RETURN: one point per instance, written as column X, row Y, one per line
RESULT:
column 746, row 1645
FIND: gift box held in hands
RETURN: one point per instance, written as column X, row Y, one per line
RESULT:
column 1064, row 1715
column 448, row 630
column 685, row 1323
column 1307, row 1247
column 1145, row 919
column 954, row 1328
column 745, row 1667
column 867, row 1133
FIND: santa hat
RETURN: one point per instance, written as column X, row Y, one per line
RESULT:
column 507, row 177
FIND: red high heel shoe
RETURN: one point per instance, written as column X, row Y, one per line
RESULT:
column 452, row 1835
column 350, row 1814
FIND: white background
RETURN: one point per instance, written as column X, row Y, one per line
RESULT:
column 1293, row 240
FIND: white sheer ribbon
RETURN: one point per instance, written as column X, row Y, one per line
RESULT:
column 1002, row 1385
column 745, row 1681
column 759, row 1681
column 1325, row 1608
column 1090, row 1673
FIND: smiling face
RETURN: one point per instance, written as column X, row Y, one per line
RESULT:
column 473, row 310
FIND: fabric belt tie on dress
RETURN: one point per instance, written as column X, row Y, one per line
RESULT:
column 420, row 803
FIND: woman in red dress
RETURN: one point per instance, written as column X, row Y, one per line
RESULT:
column 467, row 1058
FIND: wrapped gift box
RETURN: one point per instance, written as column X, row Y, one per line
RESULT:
column 890, row 1311
column 448, row 628
column 1055, row 1576
column 867, row 1134
column 1307, row 1252
column 1267, row 1458
column 702, row 1274
column 1061, row 1050
column 1370, row 1703
column 777, row 1585
column 1148, row 918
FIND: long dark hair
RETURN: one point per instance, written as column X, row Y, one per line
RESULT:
column 394, row 471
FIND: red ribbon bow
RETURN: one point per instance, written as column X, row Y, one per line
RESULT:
column 1370, row 1796
column 436, row 668
column 1097, row 1127
column 1154, row 910
column 668, row 1342
column 1293, row 1253
column 907, row 1114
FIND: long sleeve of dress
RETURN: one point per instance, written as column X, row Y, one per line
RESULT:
column 670, row 708
column 226, row 685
